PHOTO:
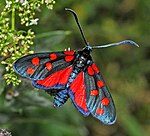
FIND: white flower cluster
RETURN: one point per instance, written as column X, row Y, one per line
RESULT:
column 4, row 132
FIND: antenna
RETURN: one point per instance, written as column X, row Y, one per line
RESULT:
column 102, row 46
column 77, row 21
column 116, row 44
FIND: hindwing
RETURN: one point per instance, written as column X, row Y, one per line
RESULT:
column 77, row 93
column 57, row 80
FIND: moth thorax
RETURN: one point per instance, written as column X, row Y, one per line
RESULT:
column 81, row 61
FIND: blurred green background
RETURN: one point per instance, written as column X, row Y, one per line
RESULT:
column 126, row 70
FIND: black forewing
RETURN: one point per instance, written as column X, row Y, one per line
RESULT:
column 40, row 71
column 94, row 103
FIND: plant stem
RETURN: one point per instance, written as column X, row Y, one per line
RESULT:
column 13, row 19
column 13, row 24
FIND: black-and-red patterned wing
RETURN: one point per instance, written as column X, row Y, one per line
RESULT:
column 40, row 67
column 77, row 93
column 57, row 80
column 98, row 99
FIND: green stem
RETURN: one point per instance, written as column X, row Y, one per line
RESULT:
column 13, row 19
column 13, row 25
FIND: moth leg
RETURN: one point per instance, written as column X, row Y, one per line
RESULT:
column 52, row 92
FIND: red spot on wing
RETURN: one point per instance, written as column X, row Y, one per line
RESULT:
column 99, row 111
column 90, row 71
column 105, row 101
column 95, row 68
column 49, row 66
column 30, row 70
column 35, row 61
column 69, row 52
column 69, row 58
column 100, row 84
column 78, row 89
column 60, row 77
column 94, row 92
column 53, row 56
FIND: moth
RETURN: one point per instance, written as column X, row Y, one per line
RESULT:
column 72, row 74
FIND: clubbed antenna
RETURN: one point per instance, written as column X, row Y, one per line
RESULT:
column 102, row 46
column 116, row 44
column 77, row 21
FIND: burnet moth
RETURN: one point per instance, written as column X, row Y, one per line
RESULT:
column 72, row 74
